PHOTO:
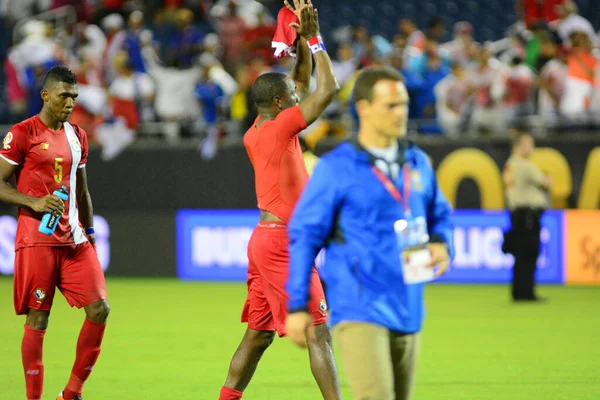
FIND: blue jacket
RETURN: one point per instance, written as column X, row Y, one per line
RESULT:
column 346, row 209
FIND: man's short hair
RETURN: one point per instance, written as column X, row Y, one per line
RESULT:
column 519, row 138
column 59, row 74
column 266, row 87
column 363, row 88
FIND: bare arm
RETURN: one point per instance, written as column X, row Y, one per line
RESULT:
column 84, row 202
column 10, row 195
column 327, row 86
column 507, row 177
column 302, row 68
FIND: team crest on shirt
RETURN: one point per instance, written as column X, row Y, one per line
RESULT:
column 44, row 146
column 323, row 307
column 75, row 146
column 416, row 180
column 39, row 294
column 7, row 139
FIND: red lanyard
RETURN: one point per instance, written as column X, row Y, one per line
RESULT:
column 391, row 188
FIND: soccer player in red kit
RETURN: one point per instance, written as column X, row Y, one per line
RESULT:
column 44, row 153
column 285, row 108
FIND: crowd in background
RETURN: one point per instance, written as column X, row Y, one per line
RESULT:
column 184, row 68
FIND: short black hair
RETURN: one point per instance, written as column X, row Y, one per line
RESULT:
column 59, row 73
column 266, row 87
column 519, row 138
column 436, row 21
column 363, row 88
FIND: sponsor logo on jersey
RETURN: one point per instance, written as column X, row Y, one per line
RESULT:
column 39, row 294
column 323, row 307
column 75, row 146
column 7, row 139
column 416, row 180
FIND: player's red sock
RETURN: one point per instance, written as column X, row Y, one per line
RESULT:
column 88, row 350
column 31, row 352
column 229, row 394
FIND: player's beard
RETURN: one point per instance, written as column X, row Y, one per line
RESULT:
column 63, row 116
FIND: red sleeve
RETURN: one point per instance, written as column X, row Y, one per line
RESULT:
column 84, row 147
column 15, row 145
column 290, row 122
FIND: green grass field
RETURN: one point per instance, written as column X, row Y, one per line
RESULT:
column 172, row 340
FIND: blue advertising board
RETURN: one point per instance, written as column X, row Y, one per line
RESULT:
column 212, row 246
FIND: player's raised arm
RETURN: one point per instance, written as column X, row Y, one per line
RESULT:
column 302, row 69
column 327, row 86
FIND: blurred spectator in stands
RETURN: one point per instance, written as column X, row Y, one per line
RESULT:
column 518, row 97
column 131, row 93
column 581, row 78
column 107, row 7
column 487, row 78
column 345, row 64
column 248, row 10
column 310, row 158
column 257, row 39
column 211, row 97
column 428, row 59
column 240, row 103
column 570, row 21
column 333, row 122
column 283, row 65
column 437, row 29
column 432, row 67
column 92, row 102
column 231, row 29
column 83, row 8
column 532, row 12
column 461, row 48
column 175, row 99
column 16, row 95
column 115, row 38
column 360, row 41
column 256, row 67
column 83, row 38
column 217, row 73
column 399, row 44
column 26, row 64
column 415, row 37
column 533, row 44
column 14, row 11
column 414, row 82
column 186, row 42
column 453, row 94
column 212, row 49
column 551, row 80
column 133, row 44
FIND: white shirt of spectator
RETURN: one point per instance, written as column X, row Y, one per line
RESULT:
column 555, row 72
column 575, row 23
column 134, row 87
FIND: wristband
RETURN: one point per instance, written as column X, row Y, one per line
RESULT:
column 90, row 231
column 316, row 44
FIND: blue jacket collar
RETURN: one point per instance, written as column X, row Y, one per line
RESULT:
column 364, row 155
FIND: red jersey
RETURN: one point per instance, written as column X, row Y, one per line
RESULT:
column 279, row 169
column 46, row 160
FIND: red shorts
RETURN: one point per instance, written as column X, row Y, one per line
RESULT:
column 75, row 270
column 266, row 304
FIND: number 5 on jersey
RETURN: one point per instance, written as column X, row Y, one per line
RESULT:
column 58, row 167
